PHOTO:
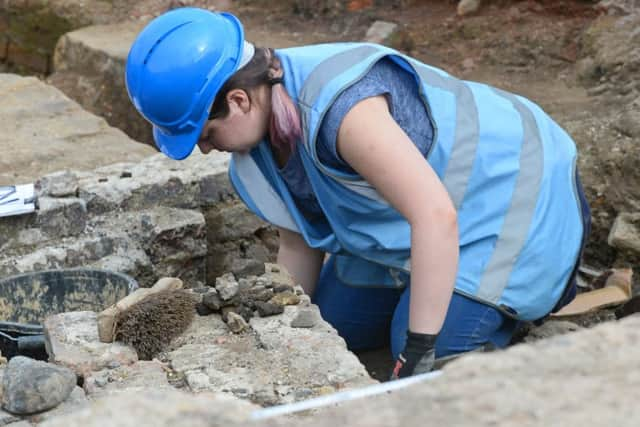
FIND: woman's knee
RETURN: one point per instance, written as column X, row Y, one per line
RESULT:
column 468, row 325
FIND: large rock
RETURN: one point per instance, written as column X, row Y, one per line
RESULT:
column 89, row 67
column 32, row 386
column 276, row 363
column 584, row 378
column 44, row 131
column 624, row 232
column 159, row 408
column 72, row 340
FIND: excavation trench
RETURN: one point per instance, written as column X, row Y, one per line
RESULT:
column 151, row 218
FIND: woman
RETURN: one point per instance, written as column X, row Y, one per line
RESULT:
column 452, row 210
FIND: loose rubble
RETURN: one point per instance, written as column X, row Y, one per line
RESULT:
column 239, row 300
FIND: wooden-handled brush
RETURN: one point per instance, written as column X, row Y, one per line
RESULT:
column 149, row 318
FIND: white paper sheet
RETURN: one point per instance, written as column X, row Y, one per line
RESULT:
column 19, row 202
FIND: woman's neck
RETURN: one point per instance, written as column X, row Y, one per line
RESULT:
column 280, row 154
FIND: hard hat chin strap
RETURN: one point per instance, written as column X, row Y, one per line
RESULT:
column 248, row 51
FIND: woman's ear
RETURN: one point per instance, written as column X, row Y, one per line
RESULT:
column 238, row 99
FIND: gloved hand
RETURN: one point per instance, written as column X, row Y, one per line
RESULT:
column 417, row 357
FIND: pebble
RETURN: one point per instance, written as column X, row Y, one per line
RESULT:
column 236, row 322
column 227, row 286
column 306, row 318
column 268, row 308
column 285, row 298
column 466, row 7
column 212, row 300
column 260, row 293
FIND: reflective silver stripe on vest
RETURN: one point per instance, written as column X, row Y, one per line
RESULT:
column 261, row 192
column 518, row 218
column 314, row 84
column 466, row 136
column 326, row 71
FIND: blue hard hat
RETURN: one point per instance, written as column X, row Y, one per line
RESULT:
column 175, row 68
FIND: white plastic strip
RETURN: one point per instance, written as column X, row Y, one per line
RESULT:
column 248, row 50
column 342, row 396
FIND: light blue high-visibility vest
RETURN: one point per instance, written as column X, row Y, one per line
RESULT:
column 507, row 166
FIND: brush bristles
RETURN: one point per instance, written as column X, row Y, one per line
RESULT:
column 151, row 324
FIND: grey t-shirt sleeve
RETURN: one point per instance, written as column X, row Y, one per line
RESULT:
column 406, row 107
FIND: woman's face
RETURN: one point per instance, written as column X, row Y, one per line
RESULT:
column 243, row 128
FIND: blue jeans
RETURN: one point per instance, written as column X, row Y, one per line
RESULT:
column 369, row 318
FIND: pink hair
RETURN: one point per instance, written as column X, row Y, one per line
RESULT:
column 284, row 126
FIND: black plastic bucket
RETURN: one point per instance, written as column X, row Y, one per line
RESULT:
column 27, row 299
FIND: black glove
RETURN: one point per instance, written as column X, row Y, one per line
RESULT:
column 417, row 357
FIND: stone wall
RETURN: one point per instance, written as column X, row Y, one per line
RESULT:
column 149, row 219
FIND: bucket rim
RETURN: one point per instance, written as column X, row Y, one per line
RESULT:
column 132, row 285
column 132, row 282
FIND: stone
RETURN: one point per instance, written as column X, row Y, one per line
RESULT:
column 61, row 217
column 306, row 318
column 625, row 233
column 275, row 275
column 76, row 401
column 260, row 293
column 31, row 386
column 268, row 308
column 468, row 7
column 54, row 124
column 227, row 286
column 266, row 367
column 212, row 300
column 285, row 298
column 281, row 288
column 245, row 310
column 159, row 408
column 242, row 267
column 380, row 31
column 203, row 310
column 468, row 64
column 58, row 184
column 72, row 340
column 234, row 221
column 629, row 122
column 89, row 67
column 236, row 323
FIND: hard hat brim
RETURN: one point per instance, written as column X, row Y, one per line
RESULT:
column 177, row 147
